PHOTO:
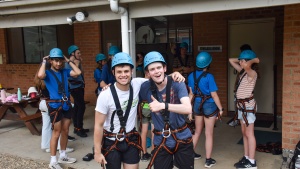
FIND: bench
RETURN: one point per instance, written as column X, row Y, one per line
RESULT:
column 31, row 117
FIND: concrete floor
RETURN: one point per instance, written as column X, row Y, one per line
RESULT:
column 15, row 139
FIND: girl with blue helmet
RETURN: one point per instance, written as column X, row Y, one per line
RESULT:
column 206, row 103
column 247, row 66
column 101, row 61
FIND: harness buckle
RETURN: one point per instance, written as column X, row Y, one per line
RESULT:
column 163, row 133
column 65, row 99
column 120, row 136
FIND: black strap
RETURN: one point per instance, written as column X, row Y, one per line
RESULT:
column 239, row 82
column 196, row 81
column 119, row 111
column 61, row 86
column 154, row 90
column 100, row 73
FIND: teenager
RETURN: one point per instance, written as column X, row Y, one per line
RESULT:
column 101, row 61
column 206, row 103
column 247, row 66
column 59, row 105
column 168, row 102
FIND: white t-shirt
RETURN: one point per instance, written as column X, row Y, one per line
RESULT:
column 106, row 105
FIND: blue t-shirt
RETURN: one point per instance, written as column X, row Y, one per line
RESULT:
column 207, row 84
column 178, row 90
column 52, row 86
column 107, row 76
column 75, row 82
column 97, row 77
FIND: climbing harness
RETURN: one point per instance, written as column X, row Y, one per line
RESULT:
column 131, row 138
column 167, row 131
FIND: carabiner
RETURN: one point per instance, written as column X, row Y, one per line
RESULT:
column 163, row 133
column 120, row 134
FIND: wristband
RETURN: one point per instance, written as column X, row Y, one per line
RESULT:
column 44, row 61
column 222, row 109
column 166, row 106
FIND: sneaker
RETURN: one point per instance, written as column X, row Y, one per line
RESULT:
column 197, row 156
column 241, row 161
column 145, row 157
column 68, row 150
column 85, row 130
column 81, row 133
column 67, row 160
column 70, row 138
column 209, row 163
column 54, row 166
column 234, row 123
column 247, row 165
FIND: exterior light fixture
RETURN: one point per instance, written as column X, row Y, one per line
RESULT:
column 79, row 16
column 70, row 20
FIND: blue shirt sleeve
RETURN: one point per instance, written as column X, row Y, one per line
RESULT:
column 97, row 75
column 104, row 74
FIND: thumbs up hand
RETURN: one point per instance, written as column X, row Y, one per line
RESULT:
column 156, row 106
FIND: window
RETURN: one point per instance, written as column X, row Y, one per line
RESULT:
column 31, row 44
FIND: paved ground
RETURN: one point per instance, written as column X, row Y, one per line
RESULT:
column 17, row 143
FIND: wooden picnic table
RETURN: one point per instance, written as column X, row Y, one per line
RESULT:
column 18, row 113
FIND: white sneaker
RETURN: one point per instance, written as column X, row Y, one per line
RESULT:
column 54, row 166
column 67, row 160
column 68, row 150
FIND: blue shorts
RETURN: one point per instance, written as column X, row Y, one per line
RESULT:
column 208, row 108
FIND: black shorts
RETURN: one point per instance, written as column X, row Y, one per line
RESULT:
column 182, row 158
column 127, row 154
column 61, row 114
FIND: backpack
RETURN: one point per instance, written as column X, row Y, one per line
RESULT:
column 294, row 158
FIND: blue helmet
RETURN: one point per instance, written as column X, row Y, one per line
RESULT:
column 153, row 57
column 99, row 57
column 184, row 45
column 121, row 58
column 113, row 50
column 56, row 53
column 72, row 48
column 247, row 54
column 203, row 60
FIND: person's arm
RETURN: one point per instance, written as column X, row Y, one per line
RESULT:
column 42, row 70
column 75, row 70
column 235, row 64
column 98, row 135
column 176, row 76
column 183, row 108
column 76, row 61
column 247, row 66
column 102, row 84
column 216, row 98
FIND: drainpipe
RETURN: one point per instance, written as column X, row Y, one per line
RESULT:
column 124, row 23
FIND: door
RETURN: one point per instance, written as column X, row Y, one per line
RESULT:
column 259, row 34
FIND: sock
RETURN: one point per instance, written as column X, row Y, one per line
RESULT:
column 252, row 161
column 247, row 157
column 53, row 159
column 62, row 153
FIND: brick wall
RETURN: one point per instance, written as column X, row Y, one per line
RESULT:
column 212, row 28
column 15, row 75
column 87, row 38
column 291, row 77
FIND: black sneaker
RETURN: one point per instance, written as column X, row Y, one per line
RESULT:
column 247, row 165
column 241, row 161
column 145, row 157
column 197, row 156
column 81, row 133
column 209, row 163
column 85, row 130
column 70, row 138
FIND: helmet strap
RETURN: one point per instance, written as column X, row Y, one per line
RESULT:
column 159, row 83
